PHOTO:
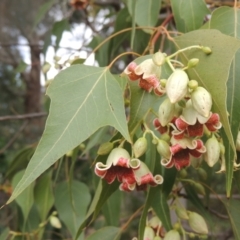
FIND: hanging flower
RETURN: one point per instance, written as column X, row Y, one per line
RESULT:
column 143, row 177
column 192, row 123
column 181, row 151
column 118, row 166
column 132, row 173
column 147, row 72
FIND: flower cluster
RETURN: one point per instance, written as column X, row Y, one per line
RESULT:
column 131, row 173
column 185, row 115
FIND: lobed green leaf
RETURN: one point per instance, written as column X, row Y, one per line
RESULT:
column 83, row 99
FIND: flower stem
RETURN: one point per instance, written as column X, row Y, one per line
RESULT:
column 184, row 49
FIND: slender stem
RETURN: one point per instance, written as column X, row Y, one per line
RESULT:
column 122, row 54
column 170, row 64
column 184, row 49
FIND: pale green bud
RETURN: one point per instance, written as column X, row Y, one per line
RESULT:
column 165, row 137
column 199, row 188
column 202, row 173
column 207, row 50
column 154, row 222
column 172, row 235
column 163, row 149
column 69, row 153
column 54, row 221
column 212, row 154
column 159, row 58
column 46, row 67
column 177, row 226
column 157, row 238
column 191, row 235
column 181, row 213
column 197, row 223
column 163, row 82
column 201, row 101
column 193, row 84
column 193, row 62
column 177, row 85
column 183, row 173
column 166, row 112
column 105, row 148
column 57, row 58
column 140, row 147
column 149, row 233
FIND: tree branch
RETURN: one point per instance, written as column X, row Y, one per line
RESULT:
column 23, row 116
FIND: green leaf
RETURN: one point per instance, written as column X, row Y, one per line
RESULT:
column 42, row 12
column 19, row 162
column 21, row 67
column 71, row 202
column 226, row 19
column 194, row 199
column 43, row 195
column 106, row 233
column 103, row 192
column 26, row 199
column 233, row 210
column 123, row 21
column 112, row 208
column 160, row 206
column 146, row 12
column 58, row 29
column 80, row 95
column 205, row 73
column 4, row 234
column 189, row 14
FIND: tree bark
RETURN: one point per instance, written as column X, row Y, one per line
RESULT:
column 33, row 84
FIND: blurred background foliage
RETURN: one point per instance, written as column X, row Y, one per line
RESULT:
column 37, row 40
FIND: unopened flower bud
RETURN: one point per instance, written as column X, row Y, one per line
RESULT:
column 154, row 222
column 191, row 235
column 197, row 223
column 177, row 226
column 157, row 238
column 166, row 112
column 199, row 188
column 163, row 149
column 159, row 58
column 207, row 50
column 212, row 154
column 140, row 147
column 238, row 142
column 54, row 221
column 193, row 62
column 165, row 137
column 193, row 84
column 202, row 101
column 163, row 82
column 202, row 173
column 105, row 148
column 172, row 235
column 149, row 233
column 182, row 213
column 177, row 85
column 183, row 173
column 46, row 67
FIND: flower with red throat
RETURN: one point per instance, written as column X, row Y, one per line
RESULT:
column 181, row 152
column 118, row 165
column 132, row 173
column 192, row 123
column 143, row 177
column 147, row 72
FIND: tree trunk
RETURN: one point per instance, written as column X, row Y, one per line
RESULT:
column 33, row 85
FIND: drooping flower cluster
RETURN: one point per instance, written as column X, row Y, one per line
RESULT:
column 131, row 173
column 184, row 115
